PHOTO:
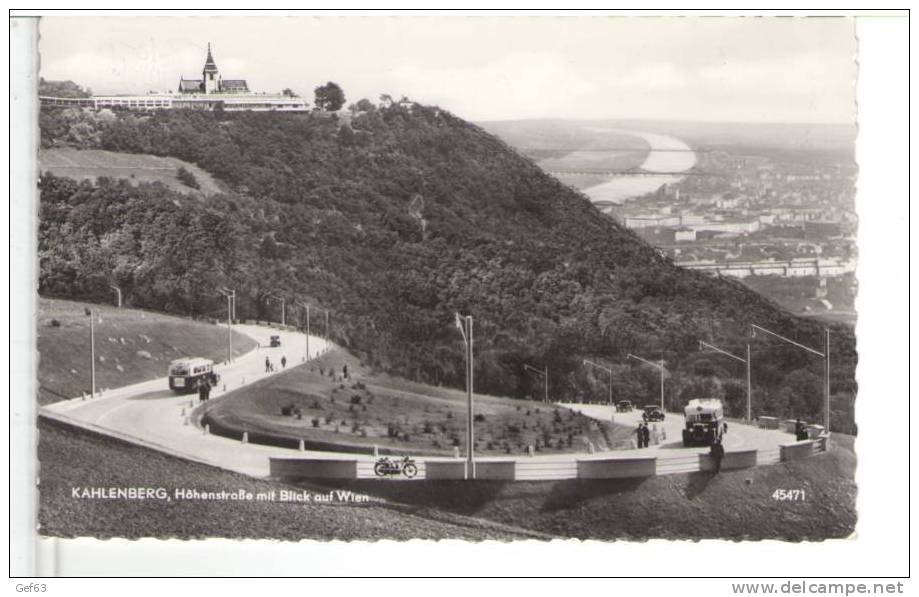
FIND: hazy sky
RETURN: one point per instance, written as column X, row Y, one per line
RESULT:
column 488, row 68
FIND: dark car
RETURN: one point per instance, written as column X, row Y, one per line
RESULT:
column 624, row 406
column 275, row 341
column 652, row 413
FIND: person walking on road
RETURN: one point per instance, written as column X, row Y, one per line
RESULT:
column 267, row 365
column 201, row 383
column 646, row 435
column 640, row 435
column 717, row 454
column 283, row 362
column 206, row 386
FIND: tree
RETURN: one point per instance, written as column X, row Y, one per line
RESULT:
column 187, row 178
column 289, row 92
column 330, row 97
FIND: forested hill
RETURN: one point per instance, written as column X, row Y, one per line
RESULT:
column 393, row 222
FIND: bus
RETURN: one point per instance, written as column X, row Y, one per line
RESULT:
column 704, row 422
column 184, row 374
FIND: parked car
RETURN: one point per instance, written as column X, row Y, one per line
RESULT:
column 652, row 413
column 624, row 406
column 275, row 341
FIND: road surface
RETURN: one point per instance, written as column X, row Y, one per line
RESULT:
column 151, row 415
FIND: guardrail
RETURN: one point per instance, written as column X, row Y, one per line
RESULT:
column 554, row 469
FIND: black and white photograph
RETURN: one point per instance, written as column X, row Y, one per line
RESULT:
column 512, row 278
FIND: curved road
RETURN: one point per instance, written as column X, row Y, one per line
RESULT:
column 149, row 414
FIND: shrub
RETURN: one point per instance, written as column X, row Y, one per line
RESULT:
column 355, row 428
column 329, row 419
column 479, row 418
column 513, row 428
column 449, row 415
column 315, row 422
column 187, row 178
column 55, row 323
column 356, row 399
column 287, row 410
column 315, row 405
column 428, row 428
column 456, row 441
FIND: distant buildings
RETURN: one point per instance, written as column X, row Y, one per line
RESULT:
column 210, row 92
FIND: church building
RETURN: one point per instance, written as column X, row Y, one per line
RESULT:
column 211, row 81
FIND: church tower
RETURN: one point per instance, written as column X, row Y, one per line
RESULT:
column 210, row 74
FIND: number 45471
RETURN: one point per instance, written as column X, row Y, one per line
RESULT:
column 789, row 495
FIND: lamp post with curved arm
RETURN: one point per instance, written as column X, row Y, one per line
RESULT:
column 609, row 371
column 704, row 345
column 659, row 365
column 826, row 364
column 545, row 374
column 283, row 302
column 307, row 307
column 231, row 299
column 464, row 324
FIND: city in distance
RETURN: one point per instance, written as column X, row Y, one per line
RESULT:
column 770, row 204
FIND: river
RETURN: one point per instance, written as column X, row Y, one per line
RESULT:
column 667, row 154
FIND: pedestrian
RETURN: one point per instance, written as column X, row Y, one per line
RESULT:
column 283, row 362
column 267, row 364
column 201, row 383
column 800, row 430
column 641, row 437
column 647, row 435
column 725, row 428
column 206, row 385
column 717, row 454
column 344, row 372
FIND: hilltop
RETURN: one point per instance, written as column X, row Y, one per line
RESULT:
column 392, row 220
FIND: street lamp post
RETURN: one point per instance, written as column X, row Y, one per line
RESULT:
column 608, row 370
column 465, row 327
column 307, row 307
column 659, row 365
column 92, row 350
column 117, row 295
column 704, row 345
column 231, row 299
column 283, row 308
column 826, row 364
column 545, row 374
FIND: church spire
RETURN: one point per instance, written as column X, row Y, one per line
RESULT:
column 209, row 65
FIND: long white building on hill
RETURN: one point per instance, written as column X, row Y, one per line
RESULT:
column 210, row 92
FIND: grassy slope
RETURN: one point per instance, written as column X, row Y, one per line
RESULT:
column 63, row 369
column 89, row 164
column 385, row 402
column 688, row 506
column 72, row 458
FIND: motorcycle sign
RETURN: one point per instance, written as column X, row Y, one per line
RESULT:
column 385, row 467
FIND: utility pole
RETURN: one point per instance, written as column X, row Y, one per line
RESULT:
column 545, row 374
column 609, row 371
column 659, row 365
column 826, row 364
column 746, row 361
column 465, row 328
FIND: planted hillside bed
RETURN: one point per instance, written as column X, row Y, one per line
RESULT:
column 317, row 404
